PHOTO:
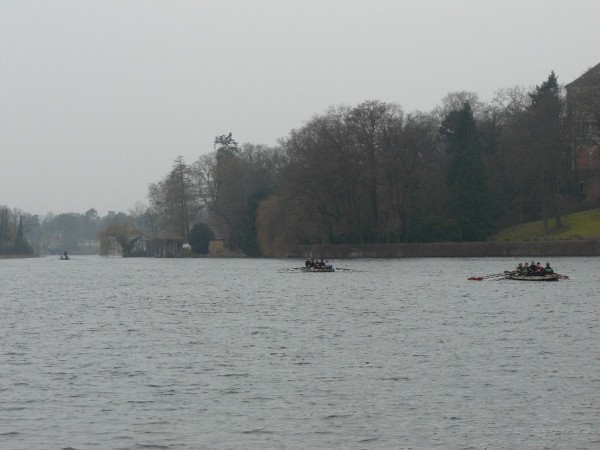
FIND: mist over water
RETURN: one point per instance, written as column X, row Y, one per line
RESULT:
column 243, row 353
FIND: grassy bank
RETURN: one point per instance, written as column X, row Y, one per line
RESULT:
column 582, row 225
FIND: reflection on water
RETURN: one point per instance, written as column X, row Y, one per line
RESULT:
column 217, row 353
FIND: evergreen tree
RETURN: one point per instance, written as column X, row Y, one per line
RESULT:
column 22, row 247
column 549, row 88
column 466, row 177
column 548, row 148
column 200, row 236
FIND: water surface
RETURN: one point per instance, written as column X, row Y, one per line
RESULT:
column 242, row 353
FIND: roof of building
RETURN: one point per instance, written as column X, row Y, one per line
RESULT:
column 585, row 79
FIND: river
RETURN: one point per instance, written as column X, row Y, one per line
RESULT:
column 114, row 353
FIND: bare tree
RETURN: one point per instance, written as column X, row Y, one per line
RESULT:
column 174, row 201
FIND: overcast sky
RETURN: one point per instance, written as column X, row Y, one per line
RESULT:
column 97, row 98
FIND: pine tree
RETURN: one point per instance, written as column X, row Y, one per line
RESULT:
column 547, row 143
column 466, row 177
column 22, row 247
column 549, row 88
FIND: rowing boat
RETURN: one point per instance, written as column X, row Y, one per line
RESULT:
column 514, row 275
column 549, row 277
column 312, row 269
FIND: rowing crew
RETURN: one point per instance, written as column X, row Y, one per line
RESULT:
column 534, row 269
column 312, row 263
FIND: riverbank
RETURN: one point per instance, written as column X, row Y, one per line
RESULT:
column 451, row 250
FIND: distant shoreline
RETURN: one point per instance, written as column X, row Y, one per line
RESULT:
column 521, row 249
column 451, row 249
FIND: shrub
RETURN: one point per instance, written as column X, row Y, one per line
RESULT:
column 200, row 236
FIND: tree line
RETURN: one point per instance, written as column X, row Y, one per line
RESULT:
column 12, row 233
column 373, row 173
column 364, row 174
column 22, row 233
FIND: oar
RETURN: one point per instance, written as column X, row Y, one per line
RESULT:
column 487, row 276
column 562, row 277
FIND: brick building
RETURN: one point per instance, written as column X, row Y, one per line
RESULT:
column 583, row 109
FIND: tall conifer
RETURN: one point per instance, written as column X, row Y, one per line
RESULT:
column 466, row 177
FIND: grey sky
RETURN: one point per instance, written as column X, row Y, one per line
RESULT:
column 97, row 98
